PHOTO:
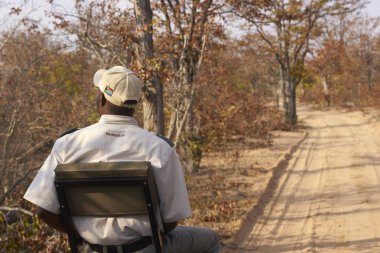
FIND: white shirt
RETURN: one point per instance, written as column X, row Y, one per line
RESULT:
column 113, row 139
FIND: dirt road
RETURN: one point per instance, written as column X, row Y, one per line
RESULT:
column 327, row 198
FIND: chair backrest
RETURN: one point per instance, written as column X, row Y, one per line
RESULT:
column 118, row 189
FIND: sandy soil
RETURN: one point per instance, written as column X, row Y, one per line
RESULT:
column 326, row 196
column 231, row 182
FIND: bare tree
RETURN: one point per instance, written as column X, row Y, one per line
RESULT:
column 36, row 78
column 366, row 36
column 187, row 26
column 288, row 27
column 153, row 99
column 116, row 35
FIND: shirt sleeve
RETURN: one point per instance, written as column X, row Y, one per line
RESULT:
column 41, row 191
column 172, row 190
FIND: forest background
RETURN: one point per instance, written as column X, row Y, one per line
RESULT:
column 216, row 73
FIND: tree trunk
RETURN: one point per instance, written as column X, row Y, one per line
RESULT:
column 276, row 96
column 189, row 139
column 185, row 136
column 289, row 86
column 369, row 74
column 283, row 85
column 150, row 117
column 326, row 92
column 153, row 97
column 292, row 110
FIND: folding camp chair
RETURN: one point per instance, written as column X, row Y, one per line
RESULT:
column 108, row 190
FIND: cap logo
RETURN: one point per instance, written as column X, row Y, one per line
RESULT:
column 108, row 91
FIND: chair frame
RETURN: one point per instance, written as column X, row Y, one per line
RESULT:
column 69, row 176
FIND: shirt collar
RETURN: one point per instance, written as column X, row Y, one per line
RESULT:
column 117, row 119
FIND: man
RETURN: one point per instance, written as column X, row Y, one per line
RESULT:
column 117, row 137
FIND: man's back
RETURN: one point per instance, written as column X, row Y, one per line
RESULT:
column 119, row 138
column 114, row 138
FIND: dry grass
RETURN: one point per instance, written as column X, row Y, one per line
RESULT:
column 230, row 183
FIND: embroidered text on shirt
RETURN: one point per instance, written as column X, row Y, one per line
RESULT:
column 115, row 133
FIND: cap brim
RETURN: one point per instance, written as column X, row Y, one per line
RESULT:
column 98, row 75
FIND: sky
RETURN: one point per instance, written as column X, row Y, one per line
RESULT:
column 373, row 8
column 37, row 8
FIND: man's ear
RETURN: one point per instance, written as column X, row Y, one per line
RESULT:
column 103, row 99
column 100, row 103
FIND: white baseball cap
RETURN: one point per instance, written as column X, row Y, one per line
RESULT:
column 118, row 84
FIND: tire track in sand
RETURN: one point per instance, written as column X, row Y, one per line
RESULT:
column 328, row 198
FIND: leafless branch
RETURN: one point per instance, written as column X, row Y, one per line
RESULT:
column 172, row 124
column 19, row 181
column 199, row 63
column 177, row 17
column 17, row 209
column 10, row 131
column 182, row 122
column 34, row 148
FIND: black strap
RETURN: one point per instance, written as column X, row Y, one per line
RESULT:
column 69, row 132
column 127, row 248
column 167, row 140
